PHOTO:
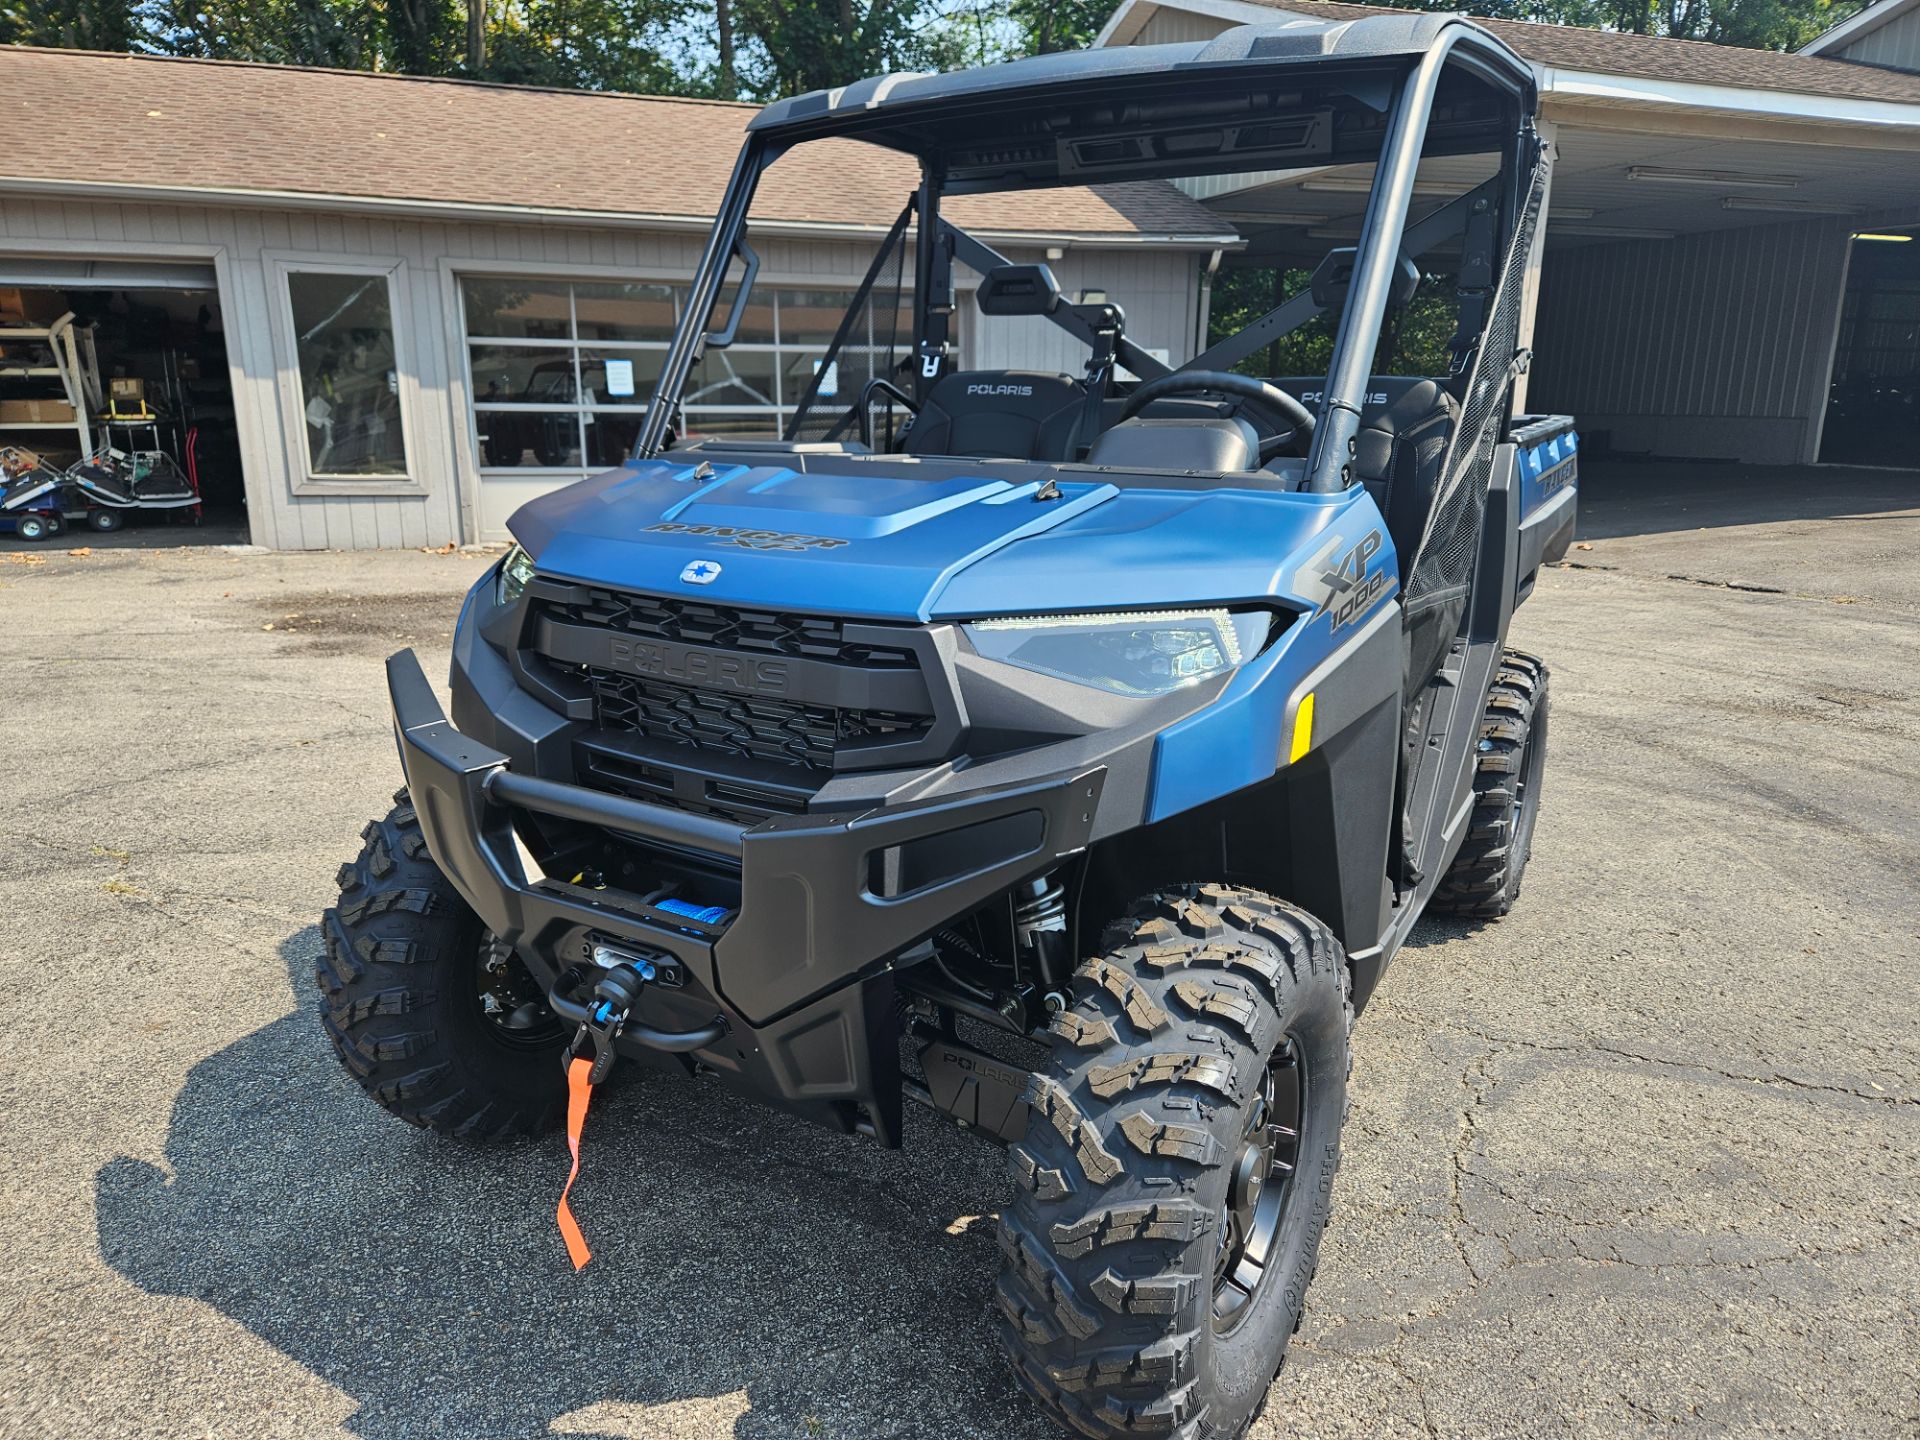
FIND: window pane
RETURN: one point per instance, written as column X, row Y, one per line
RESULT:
column 625, row 312
column 533, row 309
column 732, row 377
column 620, row 377
column 812, row 316
column 349, row 381
column 739, row 424
column 523, row 374
column 610, row 438
column 528, row 437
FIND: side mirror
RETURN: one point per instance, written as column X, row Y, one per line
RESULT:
column 1018, row 290
column 1334, row 275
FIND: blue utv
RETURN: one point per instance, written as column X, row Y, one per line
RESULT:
column 1066, row 753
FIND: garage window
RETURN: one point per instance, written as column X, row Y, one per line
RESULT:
column 343, row 345
column 561, row 371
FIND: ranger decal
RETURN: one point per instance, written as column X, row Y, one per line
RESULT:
column 747, row 539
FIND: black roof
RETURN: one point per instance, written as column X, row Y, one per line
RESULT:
column 1388, row 36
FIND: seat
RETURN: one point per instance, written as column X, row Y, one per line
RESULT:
column 1397, row 456
column 998, row 415
column 1178, row 443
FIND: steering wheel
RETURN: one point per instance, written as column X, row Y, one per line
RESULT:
column 1277, row 403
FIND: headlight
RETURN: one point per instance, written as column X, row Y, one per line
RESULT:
column 1144, row 653
column 515, row 571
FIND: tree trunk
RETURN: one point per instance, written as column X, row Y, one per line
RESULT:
column 476, row 37
column 729, row 82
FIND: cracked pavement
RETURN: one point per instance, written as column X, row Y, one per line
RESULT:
column 1643, row 1157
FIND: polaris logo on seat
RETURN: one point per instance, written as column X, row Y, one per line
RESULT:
column 984, row 389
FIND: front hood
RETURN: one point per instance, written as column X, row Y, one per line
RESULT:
column 942, row 540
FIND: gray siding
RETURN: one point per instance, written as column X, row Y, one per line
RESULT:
column 1177, row 27
column 447, row 500
column 1713, row 345
column 1895, row 44
column 1158, row 289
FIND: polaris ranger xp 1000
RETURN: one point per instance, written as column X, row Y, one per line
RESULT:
column 1068, row 753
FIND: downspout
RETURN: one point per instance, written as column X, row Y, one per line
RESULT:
column 1203, row 310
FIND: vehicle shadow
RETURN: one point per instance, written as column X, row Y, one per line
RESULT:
column 831, row 1287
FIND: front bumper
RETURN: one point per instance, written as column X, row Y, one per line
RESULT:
column 800, row 973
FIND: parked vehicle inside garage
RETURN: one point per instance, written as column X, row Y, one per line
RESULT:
column 1068, row 753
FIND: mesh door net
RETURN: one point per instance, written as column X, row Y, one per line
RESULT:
column 1442, row 569
column 875, row 341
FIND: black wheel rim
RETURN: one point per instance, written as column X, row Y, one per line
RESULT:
column 512, row 1006
column 1259, row 1188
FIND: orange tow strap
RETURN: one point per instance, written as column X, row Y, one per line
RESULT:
column 579, row 1092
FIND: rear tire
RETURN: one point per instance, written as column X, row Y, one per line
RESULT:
column 1131, row 1197
column 105, row 521
column 1484, row 879
column 407, row 981
column 32, row 527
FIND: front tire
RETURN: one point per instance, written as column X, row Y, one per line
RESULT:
column 1165, row 1225
column 438, row 1021
column 104, row 522
column 1484, row 879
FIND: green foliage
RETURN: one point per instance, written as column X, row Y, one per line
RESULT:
column 75, row 24
column 755, row 49
column 1413, row 343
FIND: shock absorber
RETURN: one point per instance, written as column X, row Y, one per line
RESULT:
column 1040, row 925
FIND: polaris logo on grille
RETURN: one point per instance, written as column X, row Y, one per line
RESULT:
column 1000, row 389
column 703, row 669
column 701, row 572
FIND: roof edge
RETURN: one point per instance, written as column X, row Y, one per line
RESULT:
column 1865, row 22
column 213, row 61
column 508, row 214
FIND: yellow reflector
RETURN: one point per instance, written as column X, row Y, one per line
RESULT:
column 1302, row 729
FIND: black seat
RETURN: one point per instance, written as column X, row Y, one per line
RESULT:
column 999, row 415
column 1397, row 457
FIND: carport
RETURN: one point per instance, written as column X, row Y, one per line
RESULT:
column 1728, row 237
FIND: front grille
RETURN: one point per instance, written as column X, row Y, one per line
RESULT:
column 745, row 756
column 778, row 732
column 754, row 632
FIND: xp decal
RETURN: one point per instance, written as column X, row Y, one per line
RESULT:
column 745, row 539
column 1343, row 584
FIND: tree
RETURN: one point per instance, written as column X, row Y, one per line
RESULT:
column 75, row 24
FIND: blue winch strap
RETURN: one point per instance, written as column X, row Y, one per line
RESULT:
column 705, row 914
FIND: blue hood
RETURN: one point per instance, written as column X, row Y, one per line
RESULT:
column 943, row 545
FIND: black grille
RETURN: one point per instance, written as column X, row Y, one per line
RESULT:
column 754, row 632
column 741, row 755
column 778, row 732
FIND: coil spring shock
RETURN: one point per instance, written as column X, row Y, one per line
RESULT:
column 1040, row 925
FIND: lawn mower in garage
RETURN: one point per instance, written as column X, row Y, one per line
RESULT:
column 1070, row 759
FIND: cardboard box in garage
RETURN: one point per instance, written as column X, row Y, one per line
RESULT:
column 23, row 308
column 36, row 412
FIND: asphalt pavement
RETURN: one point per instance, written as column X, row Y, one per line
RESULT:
column 1642, row 1158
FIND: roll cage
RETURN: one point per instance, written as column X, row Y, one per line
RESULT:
column 1386, row 90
